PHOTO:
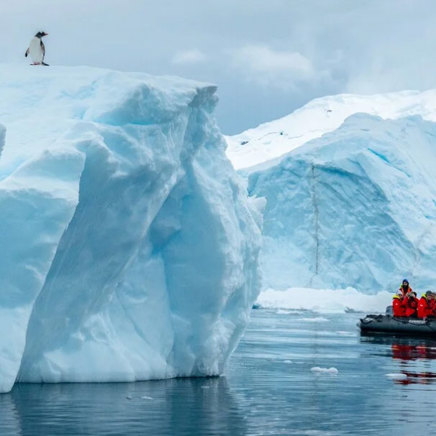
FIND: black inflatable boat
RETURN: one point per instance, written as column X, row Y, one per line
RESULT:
column 389, row 324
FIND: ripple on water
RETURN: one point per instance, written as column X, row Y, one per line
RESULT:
column 271, row 387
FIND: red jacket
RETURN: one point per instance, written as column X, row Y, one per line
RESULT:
column 411, row 304
column 398, row 305
column 426, row 307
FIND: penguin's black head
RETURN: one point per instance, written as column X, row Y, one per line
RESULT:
column 41, row 34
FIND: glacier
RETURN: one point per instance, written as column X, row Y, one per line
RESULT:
column 350, row 196
column 267, row 142
column 129, row 248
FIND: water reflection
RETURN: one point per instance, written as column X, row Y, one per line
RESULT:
column 405, row 348
column 180, row 406
column 410, row 378
column 9, row 417
column 384, row 385
column 411, row 354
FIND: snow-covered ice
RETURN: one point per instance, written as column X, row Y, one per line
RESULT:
column 128, row 248
column 324, row 301
column 273, row 139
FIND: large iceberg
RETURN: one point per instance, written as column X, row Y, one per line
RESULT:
column 354, row 208
column 128, row 247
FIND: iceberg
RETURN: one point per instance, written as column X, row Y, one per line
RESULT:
column 355, row 208
column 128, row 246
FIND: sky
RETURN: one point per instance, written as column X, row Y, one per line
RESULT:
column 268, row 57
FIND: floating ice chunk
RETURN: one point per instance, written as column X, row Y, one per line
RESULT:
column 316, row 319
column 319, row 370
column 283, row 312
column 346, row 333
column 396, row 376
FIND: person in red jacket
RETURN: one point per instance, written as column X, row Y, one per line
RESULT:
column 398, row 305
column 411, row 304
column 427, row 305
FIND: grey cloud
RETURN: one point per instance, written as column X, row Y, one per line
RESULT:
column 336, row 45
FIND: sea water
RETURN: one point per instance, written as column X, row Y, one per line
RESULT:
column 294, row 373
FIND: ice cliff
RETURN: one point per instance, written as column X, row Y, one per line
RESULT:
column 128, row 247
column 355, row 207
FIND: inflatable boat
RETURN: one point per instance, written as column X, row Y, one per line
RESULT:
column 389, row 324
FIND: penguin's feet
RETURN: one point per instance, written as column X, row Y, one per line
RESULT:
column 36, row 63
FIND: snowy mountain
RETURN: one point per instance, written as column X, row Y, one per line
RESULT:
column 128, row 248
column 355, row 207
column 272, row 140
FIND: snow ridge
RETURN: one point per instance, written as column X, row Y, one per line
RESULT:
column 271, row 140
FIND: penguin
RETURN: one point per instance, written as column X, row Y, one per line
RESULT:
column 36, row 49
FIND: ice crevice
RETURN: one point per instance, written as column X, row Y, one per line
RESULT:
column 313, row 182
column 132, row 246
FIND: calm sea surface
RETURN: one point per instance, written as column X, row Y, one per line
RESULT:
column 383, row 386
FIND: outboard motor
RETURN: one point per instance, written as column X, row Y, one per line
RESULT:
column 390, row 311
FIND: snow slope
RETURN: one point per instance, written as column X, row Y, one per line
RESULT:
column 273, row 139
column 354, row 208
column 128, row 248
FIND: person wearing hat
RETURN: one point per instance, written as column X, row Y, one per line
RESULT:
column 405, row 287
column 404, row 302
column 411, row 302
column 427, row 305
column 398, row 305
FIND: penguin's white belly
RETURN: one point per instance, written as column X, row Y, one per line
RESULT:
column 35, row 51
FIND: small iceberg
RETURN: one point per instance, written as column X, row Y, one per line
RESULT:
column 319, row 370
column 396, row 376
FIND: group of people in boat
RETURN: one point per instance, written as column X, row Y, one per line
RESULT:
column 406, row 303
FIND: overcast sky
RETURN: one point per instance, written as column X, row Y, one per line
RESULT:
column 268, row 57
